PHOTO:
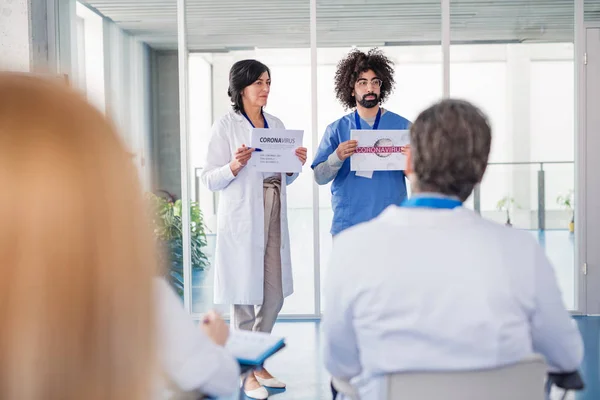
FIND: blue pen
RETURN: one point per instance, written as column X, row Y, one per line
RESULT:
column 257, row 149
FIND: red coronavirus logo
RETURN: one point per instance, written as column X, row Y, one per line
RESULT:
column 382, row 148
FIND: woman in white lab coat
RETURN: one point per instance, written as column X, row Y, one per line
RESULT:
column 252, row 260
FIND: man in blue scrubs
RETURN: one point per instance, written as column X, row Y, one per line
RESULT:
column 362, row 82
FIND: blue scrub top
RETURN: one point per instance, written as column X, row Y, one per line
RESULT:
column 355, row 199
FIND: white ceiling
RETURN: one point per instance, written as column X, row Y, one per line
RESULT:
column 221, row 25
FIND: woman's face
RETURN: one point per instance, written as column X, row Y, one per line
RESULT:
column 257, row 93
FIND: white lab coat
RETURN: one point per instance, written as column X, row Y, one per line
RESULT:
column 419, row 289
column 239, row 257
column 188, row 357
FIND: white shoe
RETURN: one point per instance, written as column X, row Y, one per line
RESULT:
column 271, row 382
column 259, row 393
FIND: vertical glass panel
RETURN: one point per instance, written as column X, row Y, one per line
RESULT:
column 276, row 34
column 90, row 71
column 409, row 33
column 132, row 74
column 515, row 61
column 200, row 121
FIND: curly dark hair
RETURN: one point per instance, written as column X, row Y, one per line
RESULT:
column 356, row 62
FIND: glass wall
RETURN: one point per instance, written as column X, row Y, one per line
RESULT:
column 409, row 34
column 515, row 61
column 284, row 46
column 128, row 64
column 200, row 121
column 157, row 25
column 503, row 57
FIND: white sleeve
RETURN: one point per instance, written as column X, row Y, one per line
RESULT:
column 554, row 332
column 187, row 356
column 341, row 354
column 216, row 173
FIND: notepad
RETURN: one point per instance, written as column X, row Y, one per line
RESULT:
column 253, row 348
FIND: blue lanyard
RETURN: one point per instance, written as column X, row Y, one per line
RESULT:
column 264, row 119
column 375, row 125
column 431, row 202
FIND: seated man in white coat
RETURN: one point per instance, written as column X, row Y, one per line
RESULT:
column 431, row 285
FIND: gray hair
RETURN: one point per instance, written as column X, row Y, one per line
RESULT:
column 450, row 146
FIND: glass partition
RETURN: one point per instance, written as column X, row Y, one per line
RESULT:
column 409, row 34
column 515, row 61
column 278, row 36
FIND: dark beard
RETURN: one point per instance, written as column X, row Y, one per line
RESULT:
column 369, row 103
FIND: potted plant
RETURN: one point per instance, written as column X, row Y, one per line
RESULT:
column 568, row 202
column 168, row 232
column 505, row 204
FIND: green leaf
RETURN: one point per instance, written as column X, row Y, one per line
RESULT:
column 168, row 232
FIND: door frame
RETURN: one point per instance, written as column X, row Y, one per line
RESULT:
column 586, row 165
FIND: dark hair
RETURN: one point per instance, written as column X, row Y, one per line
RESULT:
column 357, row 62
column 241, row 75
column 450, row 145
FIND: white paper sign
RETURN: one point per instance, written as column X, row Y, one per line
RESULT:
column 365, row 174
column 276, row 150
column 379, row 150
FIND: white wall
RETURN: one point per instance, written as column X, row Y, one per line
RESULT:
column 14, row 35
column 113, row 71
column 127, row 93
column 91, row 55
column 201, row 118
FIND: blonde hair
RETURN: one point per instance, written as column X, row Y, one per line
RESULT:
column 76, row 257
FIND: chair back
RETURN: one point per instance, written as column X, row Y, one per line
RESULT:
column 520, row 381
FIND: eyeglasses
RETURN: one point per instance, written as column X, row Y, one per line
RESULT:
column 363, row 83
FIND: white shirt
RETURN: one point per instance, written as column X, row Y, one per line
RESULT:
column 438, row 289
column 187, row 356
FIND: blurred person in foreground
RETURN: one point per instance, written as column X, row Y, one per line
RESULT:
column 445, row 288
column 82, row 315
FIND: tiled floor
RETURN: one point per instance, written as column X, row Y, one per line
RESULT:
column 299, row 364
